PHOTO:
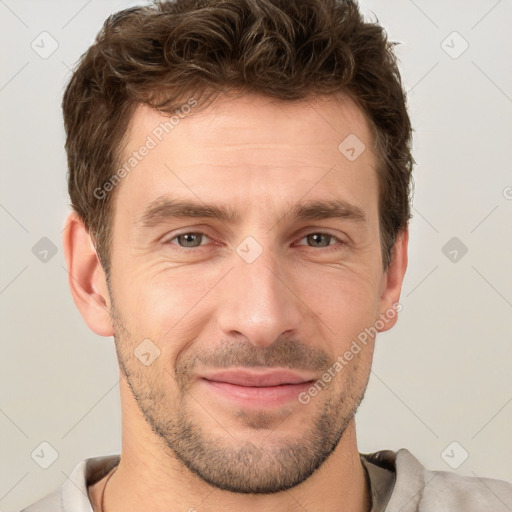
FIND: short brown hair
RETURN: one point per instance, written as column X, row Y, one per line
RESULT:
column 159, row 55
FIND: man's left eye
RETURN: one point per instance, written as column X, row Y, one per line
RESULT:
column 320, row 240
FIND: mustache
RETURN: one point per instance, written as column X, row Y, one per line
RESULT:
column 283, row 353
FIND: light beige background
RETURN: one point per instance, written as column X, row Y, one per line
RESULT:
column 441, row 375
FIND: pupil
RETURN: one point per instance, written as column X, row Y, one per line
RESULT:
column 190, row 239
column 317, row 239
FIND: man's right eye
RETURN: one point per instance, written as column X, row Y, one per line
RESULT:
column 188, row 240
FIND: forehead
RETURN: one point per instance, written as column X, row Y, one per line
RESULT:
column 250, row 148
column 320, row 121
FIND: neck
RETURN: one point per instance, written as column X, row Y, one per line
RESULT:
column 148, row 474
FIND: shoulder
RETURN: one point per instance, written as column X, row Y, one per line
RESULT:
column 72, row 496
column 418, row 488
column 51, row 502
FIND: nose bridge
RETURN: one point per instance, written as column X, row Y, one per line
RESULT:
column 258, row 302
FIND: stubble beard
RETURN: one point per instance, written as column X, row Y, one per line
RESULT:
column 231, row 461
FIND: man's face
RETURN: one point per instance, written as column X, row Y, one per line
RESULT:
column 276, row 290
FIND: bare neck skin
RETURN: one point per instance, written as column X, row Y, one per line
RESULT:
column 148, row 476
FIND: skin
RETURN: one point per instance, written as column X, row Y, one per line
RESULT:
column 299, row 304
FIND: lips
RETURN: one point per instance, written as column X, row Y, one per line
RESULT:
column 254, row 389
column 257, row 379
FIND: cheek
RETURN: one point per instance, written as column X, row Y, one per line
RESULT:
column 345, row 298
column 163, row 303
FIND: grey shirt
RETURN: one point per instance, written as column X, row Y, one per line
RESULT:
column 399, row 483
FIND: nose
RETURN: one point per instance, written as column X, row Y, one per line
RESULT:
column 259, row 302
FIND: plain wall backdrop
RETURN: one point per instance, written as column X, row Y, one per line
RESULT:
column 441, row 382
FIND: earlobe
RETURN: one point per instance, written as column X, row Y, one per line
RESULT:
column 86, row 277
column 392, row 281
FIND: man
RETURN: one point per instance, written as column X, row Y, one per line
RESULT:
column 240, row 177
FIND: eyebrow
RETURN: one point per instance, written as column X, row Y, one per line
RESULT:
column 165, row 209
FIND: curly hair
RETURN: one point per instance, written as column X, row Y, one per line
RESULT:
column 161, row 54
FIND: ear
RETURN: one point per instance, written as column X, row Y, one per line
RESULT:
column 87, row 279
column 392, row 281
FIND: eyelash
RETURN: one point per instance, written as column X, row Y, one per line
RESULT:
column 328, row 248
